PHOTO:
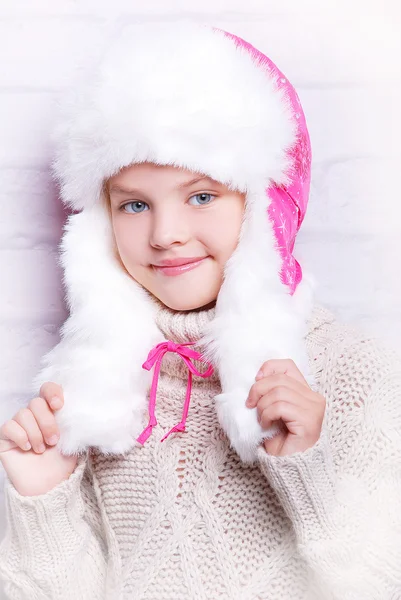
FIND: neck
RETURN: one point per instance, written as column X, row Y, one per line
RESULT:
column 183, row 326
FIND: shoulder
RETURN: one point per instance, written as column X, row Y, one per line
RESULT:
column 359, row 376
column 346, row 345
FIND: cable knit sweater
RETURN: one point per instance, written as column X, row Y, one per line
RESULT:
column 185, row 519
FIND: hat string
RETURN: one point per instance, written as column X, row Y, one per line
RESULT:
column 154, row 359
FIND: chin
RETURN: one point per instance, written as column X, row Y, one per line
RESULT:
column 187, row 304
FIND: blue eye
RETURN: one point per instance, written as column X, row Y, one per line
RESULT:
column 204, row 199
column 139, row 207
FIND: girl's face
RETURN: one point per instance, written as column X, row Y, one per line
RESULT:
column 174, row 231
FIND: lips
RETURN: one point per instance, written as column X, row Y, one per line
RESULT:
column 178, row 262
column 176, row 266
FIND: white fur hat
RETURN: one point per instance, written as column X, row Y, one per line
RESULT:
column 196, row 97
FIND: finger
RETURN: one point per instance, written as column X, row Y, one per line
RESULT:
column 45, row 419
column 53, row 394
column 293, row 416
column 26, row 419
column 13, row 435
column 314, row 410
column 267, row 384
column 281, row 365
column 281, row 395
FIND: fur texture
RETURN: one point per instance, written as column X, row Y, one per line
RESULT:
column 184, row 95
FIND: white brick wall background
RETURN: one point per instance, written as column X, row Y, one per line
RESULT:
column 343, row 59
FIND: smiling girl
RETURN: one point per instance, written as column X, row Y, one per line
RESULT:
column 208, row 431
column 174, row 212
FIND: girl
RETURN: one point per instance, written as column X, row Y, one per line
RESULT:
column 220, row 434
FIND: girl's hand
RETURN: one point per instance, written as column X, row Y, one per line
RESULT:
column 282, row 393
column 39, row 468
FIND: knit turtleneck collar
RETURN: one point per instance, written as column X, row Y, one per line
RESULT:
column 181, row 327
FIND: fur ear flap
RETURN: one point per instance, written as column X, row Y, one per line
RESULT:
column 256, row 320
column 104, row 342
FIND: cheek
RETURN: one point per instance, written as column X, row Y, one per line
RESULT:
column 223, row 234
column 130, row 241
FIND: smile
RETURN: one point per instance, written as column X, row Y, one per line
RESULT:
column 171, row 268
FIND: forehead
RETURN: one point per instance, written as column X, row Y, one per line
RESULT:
column 149, row 177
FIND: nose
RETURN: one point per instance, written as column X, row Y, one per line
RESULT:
column 168, row 229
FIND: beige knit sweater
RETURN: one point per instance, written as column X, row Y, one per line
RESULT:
column 186, row 519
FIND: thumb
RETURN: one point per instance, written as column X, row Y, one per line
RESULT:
column 6, row 445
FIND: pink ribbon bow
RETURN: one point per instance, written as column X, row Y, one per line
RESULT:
column 155, row 357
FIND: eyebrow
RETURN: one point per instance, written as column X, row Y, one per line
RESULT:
column 122, row 190
column 195, row 180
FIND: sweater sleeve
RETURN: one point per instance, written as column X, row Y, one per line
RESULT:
column 344, row 499
column 53, row 546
